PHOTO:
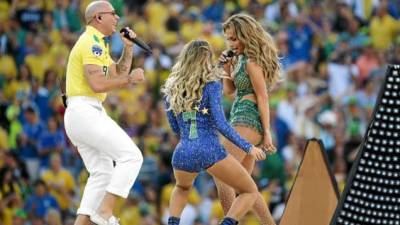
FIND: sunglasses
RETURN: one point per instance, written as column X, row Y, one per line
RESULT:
column 113, row 13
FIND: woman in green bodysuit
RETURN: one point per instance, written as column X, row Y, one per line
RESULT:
column 252, row 70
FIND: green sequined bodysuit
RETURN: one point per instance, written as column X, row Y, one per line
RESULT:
column 244, row 112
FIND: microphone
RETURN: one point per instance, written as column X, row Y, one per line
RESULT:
column 229, row 54
column 137, row 41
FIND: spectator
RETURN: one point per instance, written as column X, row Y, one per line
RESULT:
column 40, row 202
column 384, row 27
column 28, row 141
column 30, row 16
column 51, row 140
column 61, row 184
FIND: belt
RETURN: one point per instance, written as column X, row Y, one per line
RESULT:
column 85, row 99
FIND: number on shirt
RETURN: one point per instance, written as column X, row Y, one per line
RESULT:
column 105, row 69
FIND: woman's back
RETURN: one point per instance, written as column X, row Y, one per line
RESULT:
column 198, row 130
column 198, row 124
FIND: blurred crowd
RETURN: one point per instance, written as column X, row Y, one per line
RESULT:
column 334, row 56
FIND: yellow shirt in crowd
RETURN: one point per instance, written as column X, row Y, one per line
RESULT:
column 89, row 49
column 39, row 64
column 8, row 68
column 383, row 31
column 65, row 185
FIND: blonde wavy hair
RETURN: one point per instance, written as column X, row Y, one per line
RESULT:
column 259, row 46
column 193, row 69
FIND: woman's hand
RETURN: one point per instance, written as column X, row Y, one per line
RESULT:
column 257, row 153
column 225, row 60
column 267, row 145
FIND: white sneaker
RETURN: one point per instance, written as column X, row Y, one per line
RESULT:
column 97, row 219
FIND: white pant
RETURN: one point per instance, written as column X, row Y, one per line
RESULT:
column 100, row 141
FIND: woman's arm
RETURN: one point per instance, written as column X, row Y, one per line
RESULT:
column 256, row 75
column 226, row 62
column 217, row 114
column 229, row 87
column 172, row 118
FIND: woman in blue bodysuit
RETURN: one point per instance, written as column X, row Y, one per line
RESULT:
column 193, row 93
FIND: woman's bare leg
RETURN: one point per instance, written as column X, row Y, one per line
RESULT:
column 260, row 207
column 233, row 174
column 227, row 193
column 179, row 196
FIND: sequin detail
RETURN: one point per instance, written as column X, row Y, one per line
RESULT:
column 196, row 154
column 241, row 78
column 244, row 112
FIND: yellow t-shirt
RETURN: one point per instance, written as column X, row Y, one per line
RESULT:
column 130, row 215
column 89, row 49
column 216, row 210
column 3, row 139
column 7, row 216
column 39, row 64
column 66, row 184
column 191, row 30
column 383, row 31
column 14, row 86
column 4, row 11
column 157, row 13
column 216, row 41
column 8, row 67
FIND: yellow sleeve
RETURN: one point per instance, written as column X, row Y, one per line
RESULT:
column 92, row 53
column 396, row 27
column 111, row 61
column 216, row 210
column 46, row 177
column 7, row 216
column 165, row 195
column 194, row 197
column 70, row 183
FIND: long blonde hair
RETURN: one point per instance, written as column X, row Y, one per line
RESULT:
column 259, row 46
column 193, row 69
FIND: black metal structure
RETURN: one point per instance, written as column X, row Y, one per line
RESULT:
column 372, row 192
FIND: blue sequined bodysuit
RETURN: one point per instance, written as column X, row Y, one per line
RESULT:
column 199, row 146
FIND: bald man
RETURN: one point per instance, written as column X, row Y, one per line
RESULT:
column 91, row 73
